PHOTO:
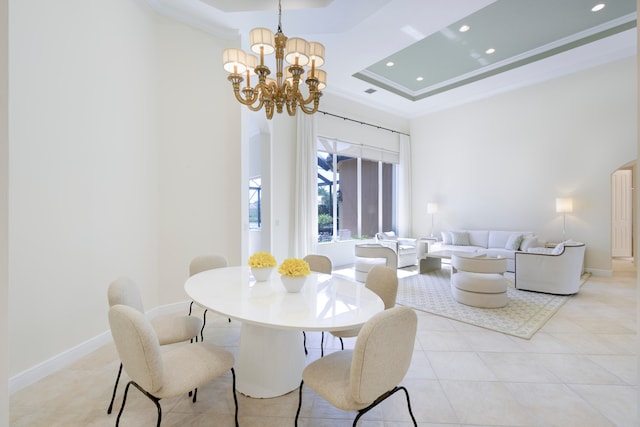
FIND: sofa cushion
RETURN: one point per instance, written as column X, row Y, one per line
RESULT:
column 479, row 238
column 513, row 242
column 498, row 238
column 446, row 237
column 528, row 241
column 500, row 252
column 406, row 248
column 460, row 238
column 387, row 235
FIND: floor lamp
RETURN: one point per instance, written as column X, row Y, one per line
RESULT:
column 432, row 208
column 564, row 205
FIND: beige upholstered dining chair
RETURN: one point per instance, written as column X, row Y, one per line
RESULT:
column 384, row 282
column 161, row 374
column 319, row 264
column 169, row 329
column 359, row 379
column 203, row 263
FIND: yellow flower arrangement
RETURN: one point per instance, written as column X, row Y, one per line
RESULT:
column 262, row 260
column 294, row 267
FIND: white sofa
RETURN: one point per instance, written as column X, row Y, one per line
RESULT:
column 405, row 248
column 493, row 243
column 554, row 271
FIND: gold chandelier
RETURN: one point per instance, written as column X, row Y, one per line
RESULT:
column 285, row 89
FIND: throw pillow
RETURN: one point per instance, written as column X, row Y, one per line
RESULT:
column 460, row 238
column 528, row 242
column 558, row 249
column 446, row 238
column 513, row 243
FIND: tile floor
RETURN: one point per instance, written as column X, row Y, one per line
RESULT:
column 580, row 369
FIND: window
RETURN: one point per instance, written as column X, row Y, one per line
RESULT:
column 255, row 203
column 356, row 191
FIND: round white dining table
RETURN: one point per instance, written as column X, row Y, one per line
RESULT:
column 271, row 355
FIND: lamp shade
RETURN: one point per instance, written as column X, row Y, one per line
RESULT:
column 432, row 208
column 252, row 63
column 262, row 38
column 316, row 54
column 564, row 205
column 234, row 60
column 297, row 51
column 321, row 75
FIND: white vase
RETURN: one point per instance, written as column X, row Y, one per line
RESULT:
column 261, row 274
column 293, row 284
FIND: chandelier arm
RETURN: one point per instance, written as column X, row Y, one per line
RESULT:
column 292, row 107
column 244, row 101
column 313, row 96
column 316, row 104
column 256, row 107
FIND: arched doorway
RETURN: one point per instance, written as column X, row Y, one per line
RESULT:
column 623, row 224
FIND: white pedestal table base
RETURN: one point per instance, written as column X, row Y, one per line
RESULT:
column 270, row 361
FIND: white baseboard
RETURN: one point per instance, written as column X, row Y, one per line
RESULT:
column 599, row 272
column 64, row 359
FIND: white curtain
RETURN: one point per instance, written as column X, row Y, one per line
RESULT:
column 306, row 203
column 404, row 187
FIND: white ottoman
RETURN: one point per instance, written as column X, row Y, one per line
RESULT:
column 479, row 282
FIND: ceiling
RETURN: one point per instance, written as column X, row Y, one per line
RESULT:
column 435, row 65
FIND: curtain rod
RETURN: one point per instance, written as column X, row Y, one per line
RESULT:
column 362, row 123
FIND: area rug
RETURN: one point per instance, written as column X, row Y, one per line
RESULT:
column 525, row 314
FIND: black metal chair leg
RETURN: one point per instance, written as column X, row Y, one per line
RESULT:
column 406, row 392
column 151, row 397
column 195, row 395
column 299, row 403
column 204, row 323
column 341, row 343
column 235, row 397
column 115, row 387
column 190, row 307
column 380, row 399
column 304, row 342
column 322, row 345
column 124, row 400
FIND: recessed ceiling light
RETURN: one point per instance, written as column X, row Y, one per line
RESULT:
column 597, row 7
column 420, row 78
column 390, row 64
column 464, row 28
column 490, row 51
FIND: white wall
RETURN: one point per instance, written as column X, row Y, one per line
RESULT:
column 83, row 175
column 501, row 162
column 4, row 210
column 124, row 160
column 282, row 185
column 199, row 177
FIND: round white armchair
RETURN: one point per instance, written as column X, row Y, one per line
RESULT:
column 368, row 255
